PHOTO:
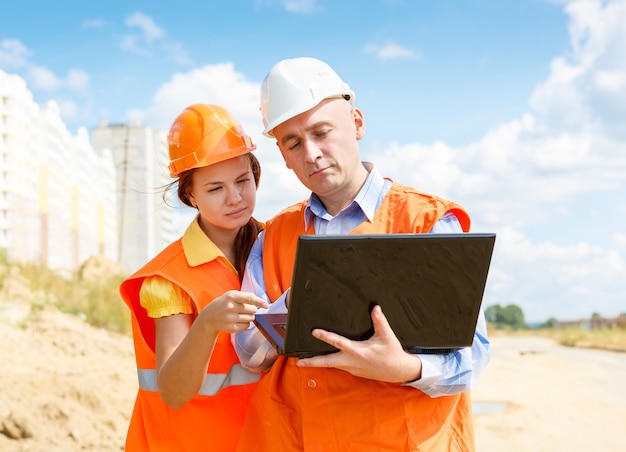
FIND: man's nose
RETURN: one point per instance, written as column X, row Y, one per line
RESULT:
column 312, row 151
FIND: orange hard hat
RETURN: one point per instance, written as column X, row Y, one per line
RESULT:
column 204, row 134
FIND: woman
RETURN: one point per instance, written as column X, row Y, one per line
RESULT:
column 193, row 393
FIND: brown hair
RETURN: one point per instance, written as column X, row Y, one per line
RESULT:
column 248, row 232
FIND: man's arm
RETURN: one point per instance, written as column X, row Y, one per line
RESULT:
column 382, row 358
column 458, row 371
column 254, row 351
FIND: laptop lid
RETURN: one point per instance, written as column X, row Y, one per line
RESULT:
column 430, row 288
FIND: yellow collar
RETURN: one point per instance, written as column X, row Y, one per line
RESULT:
column 200, row 249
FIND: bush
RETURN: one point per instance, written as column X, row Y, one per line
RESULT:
column 95, row 299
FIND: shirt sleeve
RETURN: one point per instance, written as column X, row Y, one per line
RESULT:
column 254, row 351
column 458, row 371
column 447, row 224
column 162, row 298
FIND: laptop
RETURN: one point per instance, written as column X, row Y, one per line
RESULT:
column 429, row 286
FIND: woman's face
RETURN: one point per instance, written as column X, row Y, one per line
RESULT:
column 225, row 194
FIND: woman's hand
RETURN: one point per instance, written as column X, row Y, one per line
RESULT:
column 231, row 312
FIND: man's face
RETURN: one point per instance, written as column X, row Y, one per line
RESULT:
column 321, row 147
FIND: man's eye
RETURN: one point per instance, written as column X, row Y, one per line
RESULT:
column 322, row 133
column 294, row 145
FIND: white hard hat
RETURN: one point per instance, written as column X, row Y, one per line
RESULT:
column 296, row 85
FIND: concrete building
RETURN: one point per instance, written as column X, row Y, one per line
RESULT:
column 57, row 194
column 145, row 221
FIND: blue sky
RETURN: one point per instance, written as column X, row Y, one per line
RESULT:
column 514, row 108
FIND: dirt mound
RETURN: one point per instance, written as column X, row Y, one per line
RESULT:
column 99, row 268
column 65, row 385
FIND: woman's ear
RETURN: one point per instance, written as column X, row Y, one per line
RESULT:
column 192, row 200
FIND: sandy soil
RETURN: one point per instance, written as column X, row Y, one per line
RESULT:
column 550, row 398
column 67, row 386
column 64, row 386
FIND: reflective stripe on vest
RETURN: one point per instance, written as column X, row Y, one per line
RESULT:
column 213, row 383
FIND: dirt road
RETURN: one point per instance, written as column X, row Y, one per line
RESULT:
column 556, row 398
column 67, row 386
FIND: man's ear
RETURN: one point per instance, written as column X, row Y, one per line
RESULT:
column 359, row 123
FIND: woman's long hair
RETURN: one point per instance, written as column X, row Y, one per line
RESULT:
column 248, row 232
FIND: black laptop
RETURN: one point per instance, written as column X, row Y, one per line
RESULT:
column 430, row 288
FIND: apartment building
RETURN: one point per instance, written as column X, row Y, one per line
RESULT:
column 57, row 194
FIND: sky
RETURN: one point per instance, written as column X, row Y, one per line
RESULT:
column 515, row 109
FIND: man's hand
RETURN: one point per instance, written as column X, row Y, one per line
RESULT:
column 381, row 357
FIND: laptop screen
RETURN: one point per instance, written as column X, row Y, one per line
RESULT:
column 430, row 288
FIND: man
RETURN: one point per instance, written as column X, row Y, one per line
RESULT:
column 370, row 395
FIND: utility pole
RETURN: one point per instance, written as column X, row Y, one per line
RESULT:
column 123, row 188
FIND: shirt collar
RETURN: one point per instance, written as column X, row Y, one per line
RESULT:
column 366, row 199
column 199, row 248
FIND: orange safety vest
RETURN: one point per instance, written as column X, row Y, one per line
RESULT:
column 313, row 409
column 213, row 419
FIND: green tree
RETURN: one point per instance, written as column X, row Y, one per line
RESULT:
column 550, row 323
column 511, row 316
column 492, row 314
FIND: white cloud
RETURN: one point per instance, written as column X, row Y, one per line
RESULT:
column 391, row 51
column 610, row 81
column 542, row 276
column 13, row 54
column 559, row 99
column 44, row 79
column 130, row 44
column 77, row 80
column 218, row 83
column 178, row 53
column 300, row 6
column 94, row 23
column 587, row 90
column 150, row 33
column 69, row 110
column 149, row 30
column 620, row 239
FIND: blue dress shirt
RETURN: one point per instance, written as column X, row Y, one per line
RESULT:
column 441, row 374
